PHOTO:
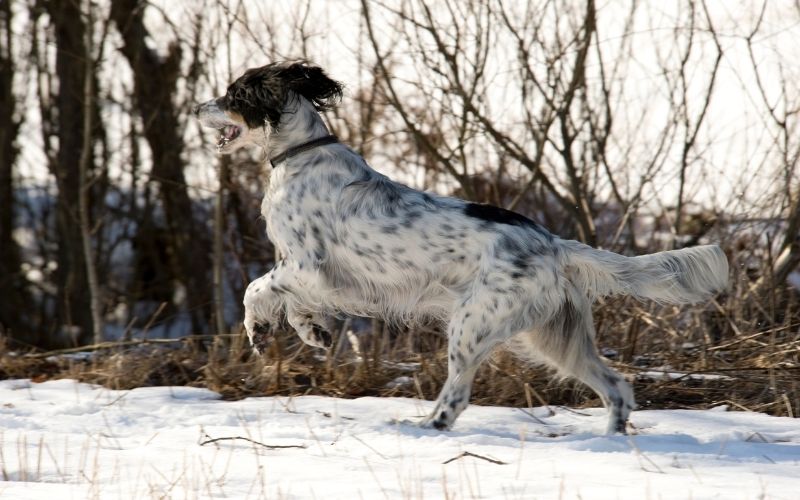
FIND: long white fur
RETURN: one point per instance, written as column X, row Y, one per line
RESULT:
column 684, row 276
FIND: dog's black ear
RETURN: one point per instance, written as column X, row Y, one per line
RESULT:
column 312, row 83
column 257, row 96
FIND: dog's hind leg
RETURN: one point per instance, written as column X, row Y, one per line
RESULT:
column 475, row 328
column 566, row 343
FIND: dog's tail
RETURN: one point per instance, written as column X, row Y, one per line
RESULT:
column 675, row 277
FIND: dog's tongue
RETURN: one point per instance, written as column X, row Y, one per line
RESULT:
column 230, row 131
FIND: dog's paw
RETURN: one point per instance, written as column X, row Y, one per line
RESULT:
column 261, row 336
column 438, row 423
column 316, row 337
column 322, row 337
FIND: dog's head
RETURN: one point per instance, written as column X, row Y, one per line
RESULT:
column 252, row 107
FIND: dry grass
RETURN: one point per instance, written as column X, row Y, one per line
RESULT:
column 757, row 363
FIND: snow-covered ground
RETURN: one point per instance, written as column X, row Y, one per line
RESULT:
column 63, row 439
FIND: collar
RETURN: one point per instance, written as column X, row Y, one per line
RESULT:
column 296, row 150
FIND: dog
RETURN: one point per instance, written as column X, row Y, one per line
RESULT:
column 355, row 242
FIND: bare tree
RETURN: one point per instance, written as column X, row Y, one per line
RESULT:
column 782, row 115
column 73, row 304
column 85, row 181
column 155, row 82
column 456, row 42
column 693, row 121
column 12, row 283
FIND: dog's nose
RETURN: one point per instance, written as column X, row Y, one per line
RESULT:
column 196, row 109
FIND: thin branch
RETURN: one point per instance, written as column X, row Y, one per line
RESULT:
column 691, row 137
column 242, row 438
column 85, row 182
column 395, row 100
column 474, row 455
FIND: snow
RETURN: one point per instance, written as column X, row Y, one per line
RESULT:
column 64, row 439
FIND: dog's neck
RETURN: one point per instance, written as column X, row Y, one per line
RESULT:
column 300, row 123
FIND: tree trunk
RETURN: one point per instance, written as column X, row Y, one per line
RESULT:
column 72, row 309
column 155, row 79
column 12, row 282
column 85, row 185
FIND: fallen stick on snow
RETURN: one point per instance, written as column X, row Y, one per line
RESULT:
column 242, row 438
column 470, row 454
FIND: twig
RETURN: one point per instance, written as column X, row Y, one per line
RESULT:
column 709, row 371
column 368, row 446
column 570, row 410
column 757, row 437
column 153, row 318
column 242, row 438
column 534, row 417
column 470, row 454
column 641, row 455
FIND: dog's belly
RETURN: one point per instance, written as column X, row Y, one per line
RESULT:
column 386, row 286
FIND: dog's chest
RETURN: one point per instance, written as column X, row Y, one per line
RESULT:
column 296, row 216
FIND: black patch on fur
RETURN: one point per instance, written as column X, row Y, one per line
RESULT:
column 497, row 215
column 409, row 219
column 455, row 403
column 261, row 93
column 439, row 425
column 300, row 236
column 322, row 336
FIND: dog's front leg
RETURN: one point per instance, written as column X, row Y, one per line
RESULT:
column 286, row 288
column 309, row 327
column 263, row 305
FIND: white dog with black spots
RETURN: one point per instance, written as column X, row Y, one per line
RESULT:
column 355, row 242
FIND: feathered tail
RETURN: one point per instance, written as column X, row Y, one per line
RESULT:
column 675, row 276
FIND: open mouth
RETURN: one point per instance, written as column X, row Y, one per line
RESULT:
column 228, row 134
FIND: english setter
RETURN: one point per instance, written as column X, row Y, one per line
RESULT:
column 354, row 241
